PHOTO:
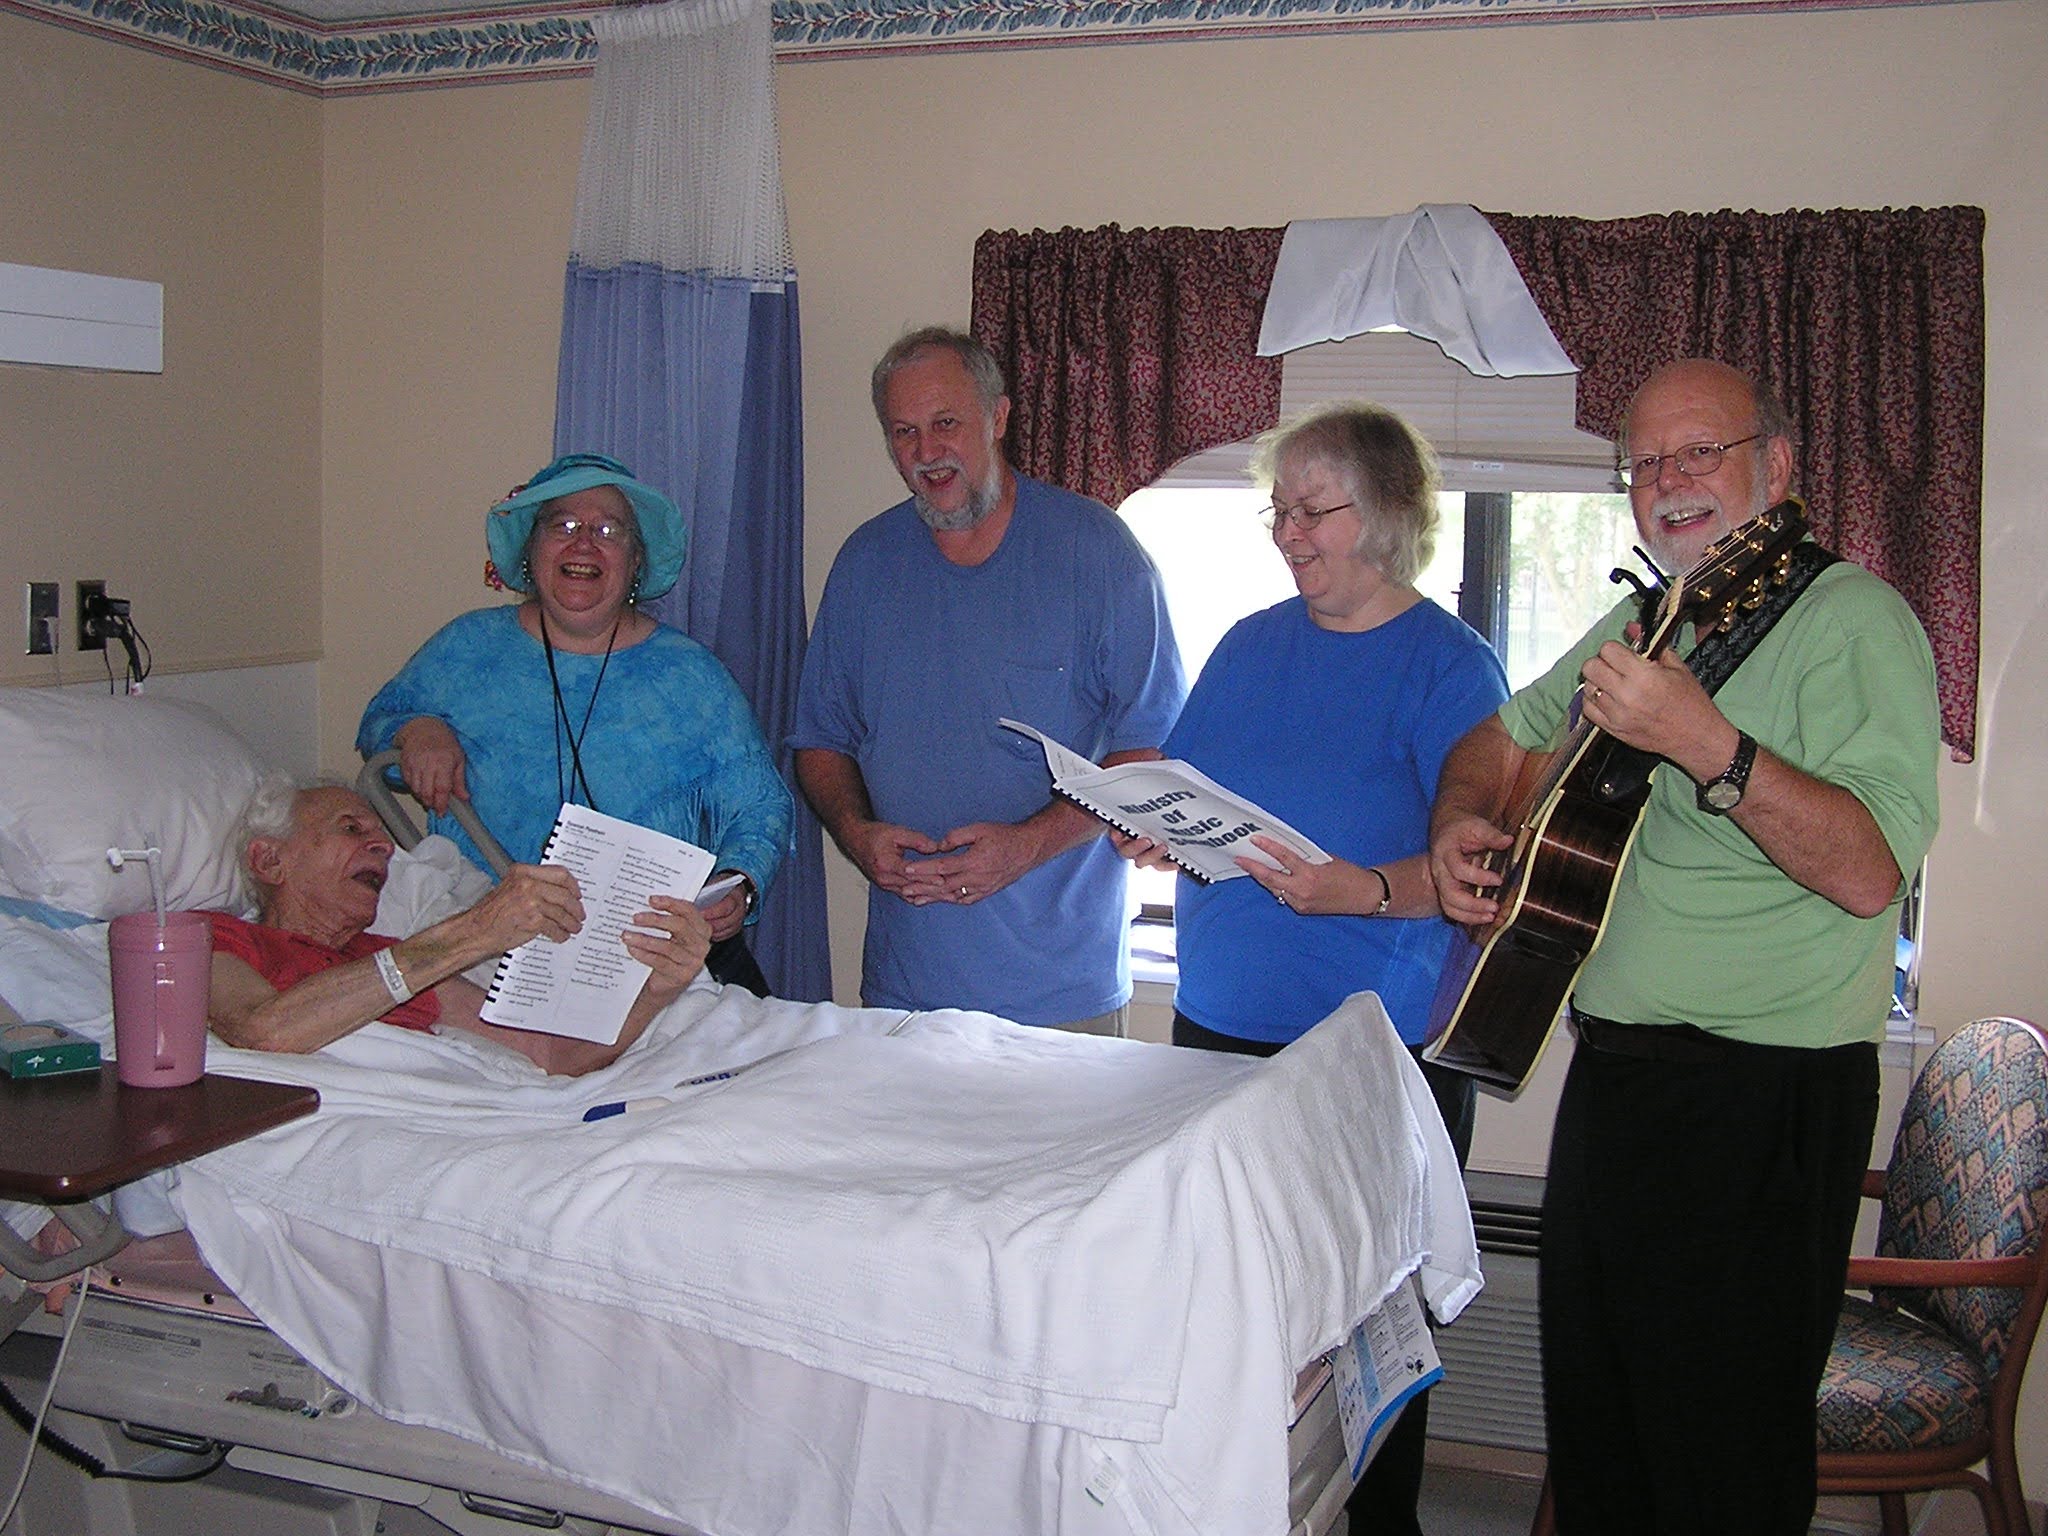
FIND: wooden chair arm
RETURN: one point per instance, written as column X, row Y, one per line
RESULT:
column 1940, row 1274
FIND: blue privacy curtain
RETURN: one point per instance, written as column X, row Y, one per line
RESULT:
column 679, row 357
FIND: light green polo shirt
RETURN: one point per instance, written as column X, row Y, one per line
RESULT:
column 1705, row 929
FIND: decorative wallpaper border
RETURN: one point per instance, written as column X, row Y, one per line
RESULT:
column 543, row 40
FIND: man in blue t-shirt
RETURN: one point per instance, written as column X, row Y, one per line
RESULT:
column 986, row 595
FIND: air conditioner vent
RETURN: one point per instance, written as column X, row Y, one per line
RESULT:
column 1492, row 1391
column 1505, row 1229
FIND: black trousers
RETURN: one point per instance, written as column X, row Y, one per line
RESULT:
column 1696, row 1230
column 1386, row 1500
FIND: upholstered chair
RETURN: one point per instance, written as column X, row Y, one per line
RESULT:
column 1924, row 1378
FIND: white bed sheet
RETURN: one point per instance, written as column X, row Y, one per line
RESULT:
column 878, row 1282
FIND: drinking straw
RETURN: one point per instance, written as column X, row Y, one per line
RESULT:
column 153, row 857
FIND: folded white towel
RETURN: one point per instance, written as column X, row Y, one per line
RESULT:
column 1439, row 271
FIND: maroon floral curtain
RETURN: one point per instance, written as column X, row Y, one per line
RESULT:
column 1127, row 350
column 1869, row 326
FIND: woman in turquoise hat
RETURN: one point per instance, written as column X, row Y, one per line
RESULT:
column 577, row 695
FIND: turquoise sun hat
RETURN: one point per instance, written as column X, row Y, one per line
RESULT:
column 664, row 541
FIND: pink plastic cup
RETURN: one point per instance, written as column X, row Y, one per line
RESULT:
column 162, row 978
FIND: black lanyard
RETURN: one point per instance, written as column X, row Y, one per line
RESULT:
column 565, row 792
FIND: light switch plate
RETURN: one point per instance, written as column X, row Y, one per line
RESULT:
column 42, row 618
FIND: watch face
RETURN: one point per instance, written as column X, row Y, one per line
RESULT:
column 1722, row 795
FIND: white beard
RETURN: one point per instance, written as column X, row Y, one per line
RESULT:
column 981, row 499
column 1695, row 500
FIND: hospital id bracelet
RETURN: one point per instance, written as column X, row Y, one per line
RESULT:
column 392, row 977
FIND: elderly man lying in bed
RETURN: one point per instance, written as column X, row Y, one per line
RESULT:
column 306, row 972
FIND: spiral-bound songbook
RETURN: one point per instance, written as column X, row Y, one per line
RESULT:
column 1203, row 827
column 585, row 986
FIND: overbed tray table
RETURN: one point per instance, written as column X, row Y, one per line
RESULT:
column 67, row 1139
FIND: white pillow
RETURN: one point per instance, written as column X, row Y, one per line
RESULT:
column 432, row 882
column 86, row 772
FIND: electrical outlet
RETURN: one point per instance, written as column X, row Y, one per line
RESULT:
column 42, row 618
column 90, row 636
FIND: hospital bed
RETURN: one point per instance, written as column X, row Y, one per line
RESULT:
column 901, row 1274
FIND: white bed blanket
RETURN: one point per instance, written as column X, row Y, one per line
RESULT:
column 1097, row 1265
column 1038, row 1226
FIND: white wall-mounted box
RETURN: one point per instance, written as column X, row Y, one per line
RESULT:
column 78, row 320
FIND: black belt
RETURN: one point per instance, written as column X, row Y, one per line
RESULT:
column 1654, row 1042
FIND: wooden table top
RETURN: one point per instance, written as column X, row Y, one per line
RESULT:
column 80, row 1134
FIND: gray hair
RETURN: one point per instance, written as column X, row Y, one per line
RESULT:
column 980, row 363
column 1772, row 419
column 271, row 815
column 1387, row 467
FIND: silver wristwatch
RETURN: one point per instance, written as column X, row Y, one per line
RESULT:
column 1722, row 793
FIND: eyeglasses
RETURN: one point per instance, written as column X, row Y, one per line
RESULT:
column 605, row 530
column 1307, row 519
column 1692, row 461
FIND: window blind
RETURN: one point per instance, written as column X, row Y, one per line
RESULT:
column 1489, row 434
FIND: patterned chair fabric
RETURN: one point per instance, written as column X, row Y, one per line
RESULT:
column 1969, row 1176
column 1895, row 1383
column 1969, row 1180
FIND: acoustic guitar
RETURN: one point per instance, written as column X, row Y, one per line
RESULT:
column 1504, row 986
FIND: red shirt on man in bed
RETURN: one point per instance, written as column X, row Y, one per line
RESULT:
column 286, row 959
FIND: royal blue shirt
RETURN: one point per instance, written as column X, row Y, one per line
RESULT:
column 1342, row 736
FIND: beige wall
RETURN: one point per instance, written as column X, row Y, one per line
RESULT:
column 194, row 493
column 447, row 228
column 442, row 225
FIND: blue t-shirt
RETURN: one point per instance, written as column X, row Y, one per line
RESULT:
column 912, row 661
column 1343, row 736
column 671, row 743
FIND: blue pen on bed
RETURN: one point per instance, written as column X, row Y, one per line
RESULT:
column 632, row 1106
column 620, row 1107
column 656, row 1101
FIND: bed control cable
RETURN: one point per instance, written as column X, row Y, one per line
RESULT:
column 178, row 1459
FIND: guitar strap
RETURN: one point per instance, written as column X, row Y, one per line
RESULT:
column 1714, row 661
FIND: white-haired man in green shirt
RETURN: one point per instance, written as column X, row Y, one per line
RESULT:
column 1705, row 1164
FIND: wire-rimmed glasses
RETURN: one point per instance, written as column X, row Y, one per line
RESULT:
column 1692, row 461
column 566, row 525
column 1306, row 518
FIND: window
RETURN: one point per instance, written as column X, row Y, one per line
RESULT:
column 1532, row 520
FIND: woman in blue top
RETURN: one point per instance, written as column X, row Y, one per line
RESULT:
column 1335, row 710
column 576, row 695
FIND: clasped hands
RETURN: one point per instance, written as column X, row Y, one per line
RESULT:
column 962, row 867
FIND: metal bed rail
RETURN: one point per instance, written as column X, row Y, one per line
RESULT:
column 374, row 785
